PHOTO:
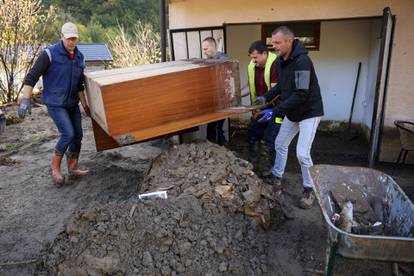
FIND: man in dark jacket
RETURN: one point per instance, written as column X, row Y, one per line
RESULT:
column 61, row 66
column 301, row 102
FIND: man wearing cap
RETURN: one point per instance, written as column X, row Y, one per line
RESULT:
column 61, row 66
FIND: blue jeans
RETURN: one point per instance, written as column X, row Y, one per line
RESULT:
column 68, row 121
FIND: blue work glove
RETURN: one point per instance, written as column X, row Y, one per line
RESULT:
column 260, row 100
column 25, row 107
column 266, row 116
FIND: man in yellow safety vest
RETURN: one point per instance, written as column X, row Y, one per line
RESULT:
column 262, row 77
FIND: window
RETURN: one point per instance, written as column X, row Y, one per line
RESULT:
column 307, row 32
column 186, row 43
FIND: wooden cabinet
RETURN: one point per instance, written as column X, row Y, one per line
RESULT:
column 136, row 104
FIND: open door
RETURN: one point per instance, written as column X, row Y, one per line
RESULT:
column 381, row 85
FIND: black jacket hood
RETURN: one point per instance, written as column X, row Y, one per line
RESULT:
column 298, row 49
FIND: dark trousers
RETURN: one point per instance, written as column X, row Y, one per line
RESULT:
column 68, row 121
column 267, row 131
column 215, row 132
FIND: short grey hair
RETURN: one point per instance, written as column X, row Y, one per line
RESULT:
column 210, row 40
column 285, row 31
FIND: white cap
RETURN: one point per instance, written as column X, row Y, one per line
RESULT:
column 69, row 30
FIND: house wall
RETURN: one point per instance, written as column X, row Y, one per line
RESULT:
column 238, row 39
column 400, row 99
column 343, row 44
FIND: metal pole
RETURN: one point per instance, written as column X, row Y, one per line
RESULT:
column 354, row 96
column 163, row 31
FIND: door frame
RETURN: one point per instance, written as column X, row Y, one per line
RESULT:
column 387, row 35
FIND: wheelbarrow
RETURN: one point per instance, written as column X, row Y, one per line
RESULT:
column 398, row 218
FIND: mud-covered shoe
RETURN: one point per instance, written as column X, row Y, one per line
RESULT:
column 267, row 173
column 276, row 181
column 308, row 199
column 73, row 165
column 272, row 179
column 57, row 176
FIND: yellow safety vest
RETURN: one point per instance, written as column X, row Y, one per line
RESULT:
column 251, row 71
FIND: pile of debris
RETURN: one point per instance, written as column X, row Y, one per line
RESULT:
column 201, row 229
column 208, row 171
column 357, row 212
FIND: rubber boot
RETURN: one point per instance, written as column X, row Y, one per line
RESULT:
column 73, row 167
column 57, row 175
column 253, row 151
column 271, row 153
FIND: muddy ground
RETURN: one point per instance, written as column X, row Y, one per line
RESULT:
column 44, row 229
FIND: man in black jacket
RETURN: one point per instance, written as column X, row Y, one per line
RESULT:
column 301, row 102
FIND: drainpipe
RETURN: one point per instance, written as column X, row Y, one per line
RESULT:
column 163, row 31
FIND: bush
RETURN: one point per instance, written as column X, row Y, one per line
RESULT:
column 142, row 47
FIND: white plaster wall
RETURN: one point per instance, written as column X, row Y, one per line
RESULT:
column 239, row 38
column 343, row 44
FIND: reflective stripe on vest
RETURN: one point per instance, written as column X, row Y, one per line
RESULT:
column 251, row 71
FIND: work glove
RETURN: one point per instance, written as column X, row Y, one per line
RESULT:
column 25, row 107
column 266, row 116
column 87, row 111
column 260, row 100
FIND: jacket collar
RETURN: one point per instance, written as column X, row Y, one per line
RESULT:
column 297, row 50
column 63, row 51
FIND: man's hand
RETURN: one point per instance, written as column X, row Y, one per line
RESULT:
column 25, row 107
column 255, row 114
column 260, row 100
column 87, row 111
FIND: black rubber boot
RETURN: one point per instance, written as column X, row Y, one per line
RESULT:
column 253, row 151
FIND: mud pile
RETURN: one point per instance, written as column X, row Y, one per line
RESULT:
column 208, row 171
column 210, row 224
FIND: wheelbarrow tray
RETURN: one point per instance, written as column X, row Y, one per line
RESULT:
column 400, row 217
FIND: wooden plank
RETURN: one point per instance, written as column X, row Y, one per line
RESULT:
column 146, row 134
column 102, row 140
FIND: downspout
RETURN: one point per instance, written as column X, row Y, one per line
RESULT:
column 163, row 31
